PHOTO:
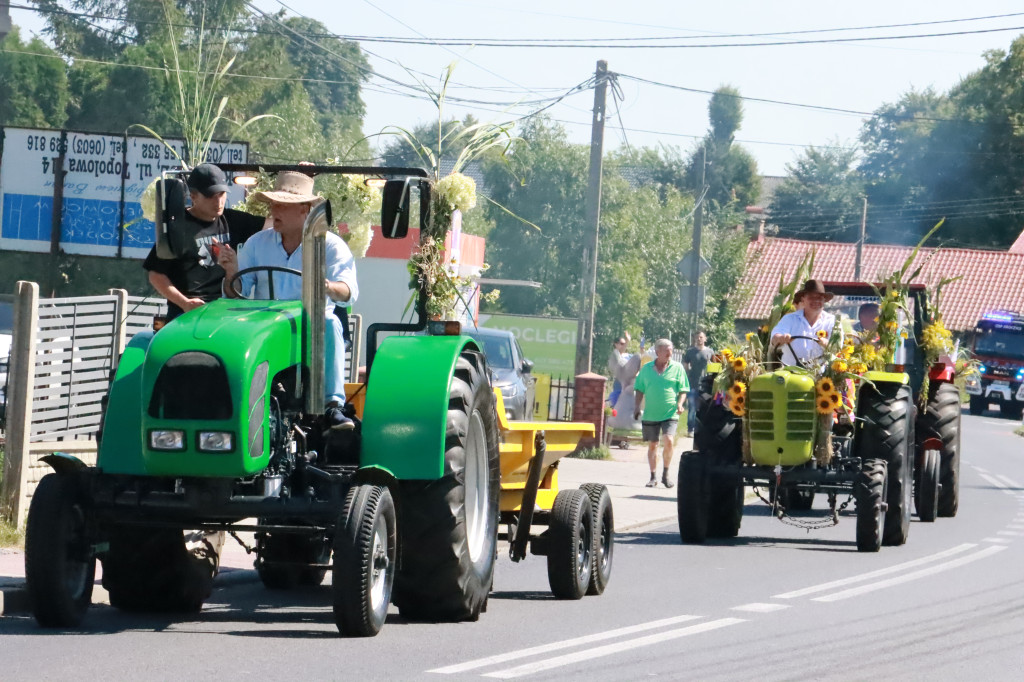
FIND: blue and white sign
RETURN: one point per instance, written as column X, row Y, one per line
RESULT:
column 97, row 166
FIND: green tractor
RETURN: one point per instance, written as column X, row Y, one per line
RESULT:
column 886, row 458
column 216, row 419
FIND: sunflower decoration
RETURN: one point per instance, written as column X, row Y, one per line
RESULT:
column 739, row 364
column 737, row 389
column 738, row 405
column 825, row 385
column 822, row 333
column 839, row 366
column 824, row 404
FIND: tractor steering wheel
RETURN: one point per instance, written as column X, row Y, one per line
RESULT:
column 802, row 362
column 269, row 269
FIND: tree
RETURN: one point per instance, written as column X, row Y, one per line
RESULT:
column 820, row 198
column 729, row 171
column 33, row 89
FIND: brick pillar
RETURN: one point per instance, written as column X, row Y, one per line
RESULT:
column 588, row 402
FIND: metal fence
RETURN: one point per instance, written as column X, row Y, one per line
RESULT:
column 560, row 400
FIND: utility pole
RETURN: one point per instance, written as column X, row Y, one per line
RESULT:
column 698, row 228
column 860, row 242
column 585, row 328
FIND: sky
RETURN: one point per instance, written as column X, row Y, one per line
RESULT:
column 510, row 82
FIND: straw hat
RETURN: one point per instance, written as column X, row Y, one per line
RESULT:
column 291, row 187
column 812, row 286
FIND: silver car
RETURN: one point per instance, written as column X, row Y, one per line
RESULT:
column 510, row 370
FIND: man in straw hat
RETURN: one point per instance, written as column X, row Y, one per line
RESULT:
column 290, row 202
column 808, row 321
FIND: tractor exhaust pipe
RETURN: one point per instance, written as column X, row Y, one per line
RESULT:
column 314, row 306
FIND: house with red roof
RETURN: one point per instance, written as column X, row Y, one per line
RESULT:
column 992, row 280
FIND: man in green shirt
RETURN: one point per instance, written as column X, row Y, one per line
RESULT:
column 661, row 389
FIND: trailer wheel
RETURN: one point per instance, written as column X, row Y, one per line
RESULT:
column 604, row 536
column 869, row 490
column 450, row 525
column 571, row 544
column 365, row 552
column 59, row 565
column 941, row 420
column 978, row 405
column 926, row 491
column 1011, row 410
column 150, row 569
column 886, row 430
column 692, row 498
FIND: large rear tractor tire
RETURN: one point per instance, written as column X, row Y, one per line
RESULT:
column 604, row 536
column 720, row 442
column 725, row 508
column 869, row 490
column 450, row 526
column 365, row 558
column 570, row 544
column 692, row 498
column 941, row 420
column 926, row 489
column 59, row 564
column 150, row 569
column 885, row 429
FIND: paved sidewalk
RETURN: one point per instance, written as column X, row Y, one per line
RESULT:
column 625, row 475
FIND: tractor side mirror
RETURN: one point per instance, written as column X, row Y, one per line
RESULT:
column 398, row 202
column 171, row 202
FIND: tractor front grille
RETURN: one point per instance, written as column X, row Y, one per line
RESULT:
column 760, row 415
column 800, row 416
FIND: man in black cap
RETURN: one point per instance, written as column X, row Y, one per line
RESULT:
column 193, row 276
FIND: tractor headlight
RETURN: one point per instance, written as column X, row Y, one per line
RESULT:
column 166, row 440
column 216, row 441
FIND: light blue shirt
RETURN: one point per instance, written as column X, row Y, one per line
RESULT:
column 795, row 324
column 265, row 248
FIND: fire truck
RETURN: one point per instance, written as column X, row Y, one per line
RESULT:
column 999, row 347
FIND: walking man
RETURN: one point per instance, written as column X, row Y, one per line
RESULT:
column 695, row 361
column 660, row 389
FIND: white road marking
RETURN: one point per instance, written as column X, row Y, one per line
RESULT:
column 980, row 470
column 1015, row 527
column 1002, row 540
column 564, row 644
column 760, row 608
column 1010, row 533
column 907, row 577
column 994, row 481
column 609, row 649
column 874, row 574
column 1009, row 481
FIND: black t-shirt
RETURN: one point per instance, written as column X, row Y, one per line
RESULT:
column 697, row 359
column 194, row 270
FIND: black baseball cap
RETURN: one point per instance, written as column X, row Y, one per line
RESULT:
column 208, row 179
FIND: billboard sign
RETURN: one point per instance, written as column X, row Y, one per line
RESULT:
column 101, row 172
column 548, row 342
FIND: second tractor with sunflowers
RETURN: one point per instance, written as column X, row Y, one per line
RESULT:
column 874, row 422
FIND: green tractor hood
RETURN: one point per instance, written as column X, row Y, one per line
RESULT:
column 202, row 381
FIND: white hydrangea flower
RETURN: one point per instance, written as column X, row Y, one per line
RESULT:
column 458, row 190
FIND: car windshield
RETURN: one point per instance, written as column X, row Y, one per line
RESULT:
column 497, row 349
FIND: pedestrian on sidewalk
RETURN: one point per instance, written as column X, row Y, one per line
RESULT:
column 695, row 361
column 616, row 361
column 660, row 389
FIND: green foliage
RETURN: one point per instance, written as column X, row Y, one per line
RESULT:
column 820, row 197
column 33, row 90
column 728, row 170
column 598, row 452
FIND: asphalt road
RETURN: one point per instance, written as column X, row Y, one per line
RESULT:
column 775, row 603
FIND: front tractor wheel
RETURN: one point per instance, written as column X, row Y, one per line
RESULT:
column 692, row 498
column 450, row 525
column 59, row 564
column 869, row 490
column 365, row 553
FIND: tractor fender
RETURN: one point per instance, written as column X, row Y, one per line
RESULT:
column 63, row 463
column 941, row 371
column 406, row 411
column 120, row 450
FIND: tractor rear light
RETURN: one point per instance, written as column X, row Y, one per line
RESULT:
column 216, row 441
column 444, row 328
column 167, row 440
